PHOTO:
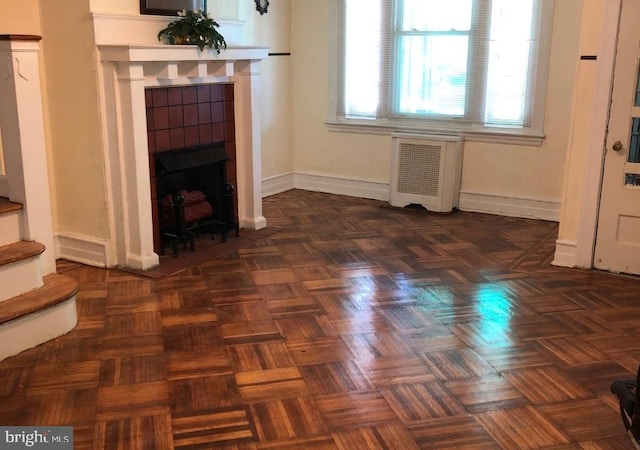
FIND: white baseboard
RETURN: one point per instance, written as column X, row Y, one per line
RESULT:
column 142, row 262
column 341, row 186
column 277, row 184
column 472, row 202
column 510, row 206
column 82, row 249
column 566, row 254
column 257, row 223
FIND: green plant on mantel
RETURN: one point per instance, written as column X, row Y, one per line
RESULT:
column 193, row 28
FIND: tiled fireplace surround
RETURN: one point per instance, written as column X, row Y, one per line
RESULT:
column 220, row 100
column 180, row 117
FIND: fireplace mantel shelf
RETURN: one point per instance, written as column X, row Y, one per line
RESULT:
column 178, row 53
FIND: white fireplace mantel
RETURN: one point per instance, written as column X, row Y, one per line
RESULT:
column 126, row 70
column 167, row 53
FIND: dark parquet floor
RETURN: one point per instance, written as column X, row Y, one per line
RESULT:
column 355, row 326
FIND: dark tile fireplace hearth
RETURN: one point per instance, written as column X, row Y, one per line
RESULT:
column 191, row 136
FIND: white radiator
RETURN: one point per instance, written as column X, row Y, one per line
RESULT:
column 426, row 170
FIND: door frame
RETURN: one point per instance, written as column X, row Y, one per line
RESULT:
column 592, row 179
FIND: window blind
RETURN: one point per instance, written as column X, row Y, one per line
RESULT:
column 467, row 61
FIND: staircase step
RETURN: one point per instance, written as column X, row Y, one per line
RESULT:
column 18, row 251
column 19, row 268
column 38, row 316
column 10, row 214
column 56, row 289
column 7, row 205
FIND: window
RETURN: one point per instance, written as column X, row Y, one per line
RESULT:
column 450, row 65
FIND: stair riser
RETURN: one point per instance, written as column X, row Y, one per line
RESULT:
column 9, row 228
column 37, row 328
column 20, row 277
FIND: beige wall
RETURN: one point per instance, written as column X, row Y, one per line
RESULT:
column 507, row 170
column 273, row 30
column 73, row 118
column 224, row 9
column 316, row 150
column 115, row 6
column 21, row 17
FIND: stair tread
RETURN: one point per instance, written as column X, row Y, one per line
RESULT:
column 19, row 251
column 7, row 205
column 56, row 289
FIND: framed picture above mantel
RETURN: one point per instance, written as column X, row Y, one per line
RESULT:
column 171, row 7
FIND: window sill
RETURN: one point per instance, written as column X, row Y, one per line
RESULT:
column 387, row 128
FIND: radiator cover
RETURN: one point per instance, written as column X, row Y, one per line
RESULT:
column 426, row 170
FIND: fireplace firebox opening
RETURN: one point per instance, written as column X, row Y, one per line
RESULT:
column 193, row 195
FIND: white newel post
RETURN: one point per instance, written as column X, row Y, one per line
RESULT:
column 137, row 184
column 23, row 140
column 248, row 144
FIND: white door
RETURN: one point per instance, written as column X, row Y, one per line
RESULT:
column 618, row 236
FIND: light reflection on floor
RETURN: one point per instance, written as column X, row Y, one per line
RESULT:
column 495, row 312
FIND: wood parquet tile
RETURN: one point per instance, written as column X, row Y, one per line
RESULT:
column 348, row 325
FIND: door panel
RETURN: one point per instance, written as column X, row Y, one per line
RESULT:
column 618, row 236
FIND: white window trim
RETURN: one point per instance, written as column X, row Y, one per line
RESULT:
column 531, row 136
